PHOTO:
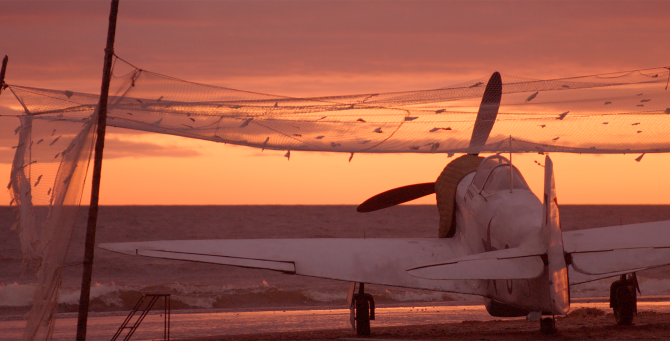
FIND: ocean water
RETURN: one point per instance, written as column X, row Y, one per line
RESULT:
column 119, row 280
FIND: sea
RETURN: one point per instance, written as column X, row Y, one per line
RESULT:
column 199, row 288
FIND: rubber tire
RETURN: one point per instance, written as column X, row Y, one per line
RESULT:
column 624, row 309
column 362, row 316
column 613, row 288
column 547, row 326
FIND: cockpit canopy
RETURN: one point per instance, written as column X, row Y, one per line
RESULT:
column 493, row 175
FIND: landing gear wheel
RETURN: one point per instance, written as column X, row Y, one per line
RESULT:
column 623, row 299
column 365, row 311
column 548, row 326
column 625, row 307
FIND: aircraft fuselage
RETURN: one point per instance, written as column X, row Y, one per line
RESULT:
column 501, row 219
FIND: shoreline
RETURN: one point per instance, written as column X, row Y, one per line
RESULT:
column 450, row 320
column 584, row 324
column 419, row 304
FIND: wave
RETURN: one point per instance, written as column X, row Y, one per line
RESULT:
column 112, row 297
column 16, row 295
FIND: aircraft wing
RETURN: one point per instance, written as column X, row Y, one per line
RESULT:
column 377, row 261
column 608, row 251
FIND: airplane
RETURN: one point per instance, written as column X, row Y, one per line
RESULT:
column 497, row 240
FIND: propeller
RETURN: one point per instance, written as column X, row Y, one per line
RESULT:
column 488, row 110
column 486, row 117
column 396, row 196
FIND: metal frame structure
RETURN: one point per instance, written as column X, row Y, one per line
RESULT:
column 153, row 298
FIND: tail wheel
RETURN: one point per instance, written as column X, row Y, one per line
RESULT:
column 547, row 326
column 624, row 309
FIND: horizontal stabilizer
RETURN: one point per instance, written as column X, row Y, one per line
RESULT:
column 502, row 264
column 616, row 249
column 615, row 261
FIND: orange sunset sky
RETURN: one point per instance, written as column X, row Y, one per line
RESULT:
column 310, row 48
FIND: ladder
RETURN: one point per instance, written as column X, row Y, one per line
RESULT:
column 145, row 303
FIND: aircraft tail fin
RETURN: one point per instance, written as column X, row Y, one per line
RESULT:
column 551, row 225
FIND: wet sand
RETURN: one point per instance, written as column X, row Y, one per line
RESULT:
column 582, row 324
column 418, row 322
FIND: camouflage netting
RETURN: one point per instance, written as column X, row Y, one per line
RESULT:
column 626, row 112
column 615, row 113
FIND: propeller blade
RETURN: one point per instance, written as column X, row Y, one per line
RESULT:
column 396, row 196
column 488, row 110
column 486, row 117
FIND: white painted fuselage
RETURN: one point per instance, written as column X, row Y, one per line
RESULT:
column 497, row 220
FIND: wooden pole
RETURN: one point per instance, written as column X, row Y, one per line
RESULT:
column 97, row 170
column 2, row 73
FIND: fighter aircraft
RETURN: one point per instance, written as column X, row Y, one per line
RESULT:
column 498, row 240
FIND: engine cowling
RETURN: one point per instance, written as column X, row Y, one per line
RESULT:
column 445, row 190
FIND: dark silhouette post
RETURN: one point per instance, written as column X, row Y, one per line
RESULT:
column 365, row 311
column 97, row 169
column 2, row 73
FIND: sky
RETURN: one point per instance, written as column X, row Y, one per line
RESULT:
column 312, row 48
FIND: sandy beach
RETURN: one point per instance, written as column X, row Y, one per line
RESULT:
column 582, row 324
column 449, row 320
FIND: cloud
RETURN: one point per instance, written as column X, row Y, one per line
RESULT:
column 309, row 48
column 115, row 148
column 369, row 37
column 215, row 41
column 7, row 127
column 304, row 48
column 6, row 155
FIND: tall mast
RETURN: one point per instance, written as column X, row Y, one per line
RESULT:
column 2, row 73
column 97, row 170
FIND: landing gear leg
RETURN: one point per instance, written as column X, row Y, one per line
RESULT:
column 623, row 299
column 365, row 311
column 547, row 325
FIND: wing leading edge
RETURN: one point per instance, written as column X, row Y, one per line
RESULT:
column 377, row 261
column 436, row 264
